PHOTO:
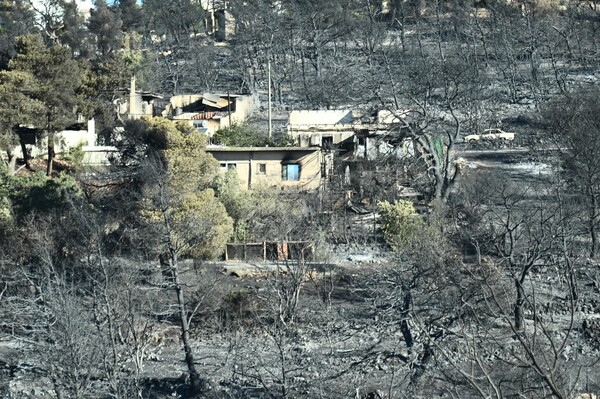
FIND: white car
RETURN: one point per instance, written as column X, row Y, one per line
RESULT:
column 490, row 134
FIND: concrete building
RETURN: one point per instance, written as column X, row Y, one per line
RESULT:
column 382, row 137
column 137, row 104
column 210, row 112
column 283, row 167
column 219, row 21
column 36, row 144
column 321, row 128
column 367, row 136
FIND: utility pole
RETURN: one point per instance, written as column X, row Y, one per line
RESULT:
column 270, row 124
column 229, row 107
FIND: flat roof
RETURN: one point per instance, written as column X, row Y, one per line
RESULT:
column 211, row 94
column 320, row 117
column 258, row 149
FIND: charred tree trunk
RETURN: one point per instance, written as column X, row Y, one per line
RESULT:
column 24, row 151
column 56, row 383
column 420, row 368
column 592, row 225
column 12, row 161
column 404, row 327
column 175, row 282
column 169, row 261
column 51, row 154
column 520, row 301
column 173, row 265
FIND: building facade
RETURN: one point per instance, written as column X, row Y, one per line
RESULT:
column 321, row 128
column 208, row 113
column 287, row 168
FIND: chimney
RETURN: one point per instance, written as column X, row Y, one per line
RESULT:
column 133, row 114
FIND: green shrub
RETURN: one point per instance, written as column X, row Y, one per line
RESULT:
column 242, row 136
column 399, row 222
column 36, row 193
column 75, row 157
column 239, row 136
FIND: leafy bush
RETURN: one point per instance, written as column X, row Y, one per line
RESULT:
column 35, row 193
column 399, row 222
column 238, row 203
column 239, row 136
column 75, row 157
column 242, row 136
column 198, row 225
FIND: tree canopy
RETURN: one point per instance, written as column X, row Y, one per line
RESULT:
column 57, row 78
column 178, row 197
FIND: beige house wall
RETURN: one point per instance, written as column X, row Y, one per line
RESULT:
column 212, row 125
column 135, row 107
column 314, row 138
column 182, row 100
column 251, row 174
column 244, row 106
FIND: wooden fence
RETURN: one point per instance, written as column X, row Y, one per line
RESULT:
column 268, row 251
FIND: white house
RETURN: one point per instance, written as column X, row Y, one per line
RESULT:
column 321, row 127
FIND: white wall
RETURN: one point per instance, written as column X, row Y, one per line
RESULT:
column 320, row 117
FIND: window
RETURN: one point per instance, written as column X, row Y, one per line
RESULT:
column 327, row 143
column 290, row 172
column 228, row 165
column 200, row 126
column 262, row 169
